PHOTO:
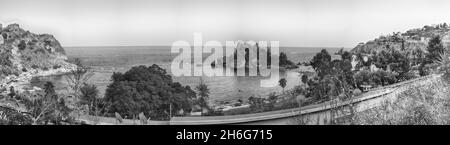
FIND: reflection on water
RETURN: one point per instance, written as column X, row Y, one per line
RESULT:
column 226, row 88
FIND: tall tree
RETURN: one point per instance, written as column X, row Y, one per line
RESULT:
column 51, row 98
column 89, row 94
column 282, row 82
column 346, row 55
column 203, row 93
column 78, row 76
column 321, row 63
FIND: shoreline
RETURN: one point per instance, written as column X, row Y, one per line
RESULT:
column 19, row 82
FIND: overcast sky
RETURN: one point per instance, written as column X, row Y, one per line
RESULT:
column 307, row 23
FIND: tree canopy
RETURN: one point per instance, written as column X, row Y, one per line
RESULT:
column 282, row 82
column 203, row 93
column 321, row 63
column 149, row 90
column 284, row 61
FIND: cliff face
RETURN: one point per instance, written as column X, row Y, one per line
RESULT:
column 408, row 41
column 24, row 54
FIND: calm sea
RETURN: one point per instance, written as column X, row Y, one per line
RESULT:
column 106, row 60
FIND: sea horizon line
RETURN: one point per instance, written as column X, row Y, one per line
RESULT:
column 104, row 46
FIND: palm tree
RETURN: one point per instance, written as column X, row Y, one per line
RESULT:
column 282, row 83
column 203, row 92
column 443, row 63
column 51, row 98
column 78, row 76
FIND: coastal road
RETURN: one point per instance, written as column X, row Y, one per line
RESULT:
column 317, row 114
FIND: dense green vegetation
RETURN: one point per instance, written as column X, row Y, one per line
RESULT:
column 421, row 104
column 149, row 90
column 43, row 107
column 395, row 59
column 374, row 68
column 333, row 76
column 258, row 104
column 89, row 97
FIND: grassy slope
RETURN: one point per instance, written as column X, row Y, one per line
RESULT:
column 420, row 104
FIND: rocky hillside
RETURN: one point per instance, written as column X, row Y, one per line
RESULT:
column 24, row 54
column 409, row 41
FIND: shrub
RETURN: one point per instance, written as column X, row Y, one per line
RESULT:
column 5, row 58
column 40, row 50
column 256, row 104
column 214, row 113
column 46, row 106
column 13, row 117
column 35, row 80
column 56, row 66
column 379, row 78
column 34, row 66
column 31, row 43
column 2, row 89
column 22, row 45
